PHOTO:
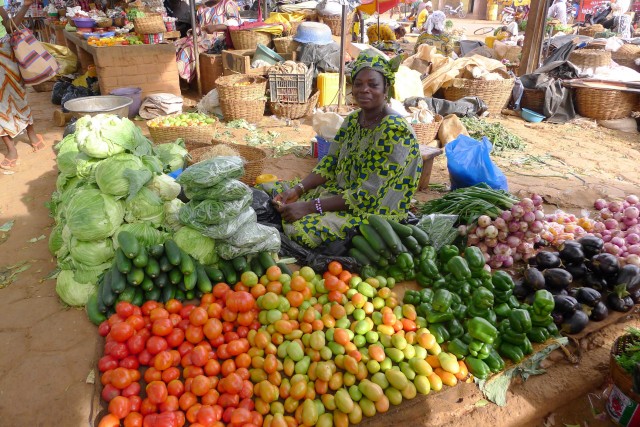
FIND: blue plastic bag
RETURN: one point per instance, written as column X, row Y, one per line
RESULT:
column 469, row 164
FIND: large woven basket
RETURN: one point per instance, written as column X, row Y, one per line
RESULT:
column 150, row 23
column 241, row 87
column 604, row 104
column 495, row 93
column 590, row 58
column 627, row 55
column 234, row 109
column 621, row 378
column 104, row 23
column 427, row 132
column 254, row 159
column 335, row 23
column 249, row 40
column 294, row 111
column 285, row 44
column 591, row 30
column 533, row 99
column 194, row 134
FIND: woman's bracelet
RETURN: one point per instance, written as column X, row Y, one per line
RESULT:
column 318, row 206
column 301, row 187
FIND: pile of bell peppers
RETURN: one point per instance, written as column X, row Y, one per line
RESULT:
column 474, row 312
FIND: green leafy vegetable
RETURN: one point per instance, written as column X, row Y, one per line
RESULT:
column 630, row 357
column 71, row 292
column 105, row 135
column 165, row 186
column 93, row 215
column 501, row 138
column 110, row 174
column 144, row 233
column 93, row 253
column 195, row 244
column 171, row 155
column 146, row 206
column 171, row 211
column 212, row 171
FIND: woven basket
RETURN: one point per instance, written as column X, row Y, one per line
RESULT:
column 533, row 99
column 335, row 23
column 44, row 86
column 249, row 40
column 105, row 23
column 295, row 111
column 194, row 134
column 241, row 87
column 234, row 109
column 495, row 93
column 285, row 44
column 590, row 58
column 427, row 132
column 603, row 104
column 254, row 159
column 626, row 56
column 150, row 23
column 591, row 30
column 119, row 21
column 620, row 377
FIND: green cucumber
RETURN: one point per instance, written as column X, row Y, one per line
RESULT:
column 359, row 257
column 256, row 267
column 147, row 284
column 123, row 263
column 203, row 283
column 135, row 276
column 361, row 244
column 412, row 244
column 118, row 281
column 385, row 231
column 128, row 294
column 129, row 244
column 108, row 296
column 180, row 295
column 420, row 235
column 93, row 311
column 153, row 295
column 214, row 274
column 284, row 268
column 190, row 281
column 153, row 268
column 175, row 276
column 162, row 280
column 401, row 230
column 230, row 275
column 168, row 292
column 165, row 265
column 138, row 298
column 187, row 266
column 172, row 252
column 189, row 295
column 373, row 238
column 142, row 259
column 266, row 260
column 240, row 264
column 156, row 251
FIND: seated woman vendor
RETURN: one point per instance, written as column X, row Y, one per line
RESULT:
column 372, row 167
column 216, row 15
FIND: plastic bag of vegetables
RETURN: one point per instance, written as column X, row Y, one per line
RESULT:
column 212, row 171
column 93, row 215
column 73, row 293
column 249, row 239
column 229, row 189
column 212, row 212
column 226, row 229
column 195, row 244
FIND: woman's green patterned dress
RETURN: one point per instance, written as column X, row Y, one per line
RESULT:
column 375, row 170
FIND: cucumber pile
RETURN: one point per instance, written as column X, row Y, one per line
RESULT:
column 161, row 273
column 388, row 248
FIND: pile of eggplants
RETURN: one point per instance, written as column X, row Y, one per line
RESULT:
column 585, row 282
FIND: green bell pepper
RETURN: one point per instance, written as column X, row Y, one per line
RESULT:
column 411, row 297
column 514, row 338
column 439, row 316
column 527, row 347
column 482, row 298
column 553, row 329
column 513, row 302
column 484, row 351
column 426, row 295
column 474, row 283
column 511, row 351
column 543, row 302
column 475, row 345
column 541, row 320
column 494, row 361
column 439, row 331
column 477, row 368
column 459, row 268
column 397, row 273
column 502, row 281
column 446, row 253
column 459, row 311
column 482, row 330
column 455, row 328
column 487, row 314
column 428, row 252
column 439, row 284
column 538, row 334
column 458, row 348
column 475, row 258
column 409, row 274
column 466, row 338
column 368, row 271
column 423, row 280
column 502, row 310
column 502, row 296
column 423, row 309
column 429, row 268
column 520, row 320
column 405, row 261
column 442, row 300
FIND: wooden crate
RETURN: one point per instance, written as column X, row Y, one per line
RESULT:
column 239, row 62
column 210, row 69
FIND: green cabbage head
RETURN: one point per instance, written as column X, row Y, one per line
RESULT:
column 92, row 215
column 73, row 293
column 110, row 175
column 146, row 206
column 195, row 244
column 93, row 253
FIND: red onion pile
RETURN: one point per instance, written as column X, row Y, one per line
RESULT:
column 620, row 228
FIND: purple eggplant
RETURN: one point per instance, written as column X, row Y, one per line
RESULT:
column 578, row 271
column 557, row 278
column 534, row 278
column 593, row 281
column 544, row 260
column 575, row 323
column 618, row 303
column 558, row 317
column 566, row 304
column 591, row 246
column 571, row 253
column 629, row 275
column 605, row 265
column 599, row 312
column 586, row 296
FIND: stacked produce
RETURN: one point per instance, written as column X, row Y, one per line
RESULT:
column 277, row 350
column 619, row 228
column 110, row 180
column 220, row 208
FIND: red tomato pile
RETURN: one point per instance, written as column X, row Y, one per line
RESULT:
column 194, row 358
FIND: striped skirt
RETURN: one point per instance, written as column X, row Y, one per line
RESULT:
column 15, row 114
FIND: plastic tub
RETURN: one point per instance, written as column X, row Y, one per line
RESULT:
column 267, row 55
column 313, row 32
column 84, row 22
column 93, row 105
column 531, row 116
column 130, row 92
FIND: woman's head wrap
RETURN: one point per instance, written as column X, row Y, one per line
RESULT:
column 436, row 21
column 375, row 62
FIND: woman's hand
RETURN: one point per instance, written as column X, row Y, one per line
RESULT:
column 288, row 196
column 294, row 211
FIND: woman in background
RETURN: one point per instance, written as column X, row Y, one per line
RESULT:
column 558, row 11
column 386, row 33
column 217, row 15
column 436, row 36
column 15, row 114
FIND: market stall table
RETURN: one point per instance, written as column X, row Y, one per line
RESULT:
column 57, row 33
column 152, row 68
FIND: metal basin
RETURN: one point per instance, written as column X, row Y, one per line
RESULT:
column 92, row 105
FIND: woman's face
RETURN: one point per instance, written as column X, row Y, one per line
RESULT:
column 369, row 89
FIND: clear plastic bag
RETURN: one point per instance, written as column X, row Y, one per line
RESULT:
column 440, row 229
column 211, row 172
column 212, row 212
column 226, row 229
column 229, row 189
column 253, row 238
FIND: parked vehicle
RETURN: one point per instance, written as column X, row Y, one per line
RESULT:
column 458, row 11
column 508, row 15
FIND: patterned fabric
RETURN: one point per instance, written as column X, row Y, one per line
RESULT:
column 422, row 19
column 386, row 33
column 376, row 171
column 622, row 26
column 443, row 42
column 375, row 62
column 15, row 113
column 226, row 12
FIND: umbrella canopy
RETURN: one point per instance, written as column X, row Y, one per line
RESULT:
column 381, row 6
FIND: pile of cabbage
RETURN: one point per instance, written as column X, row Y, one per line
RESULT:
column 111, row 178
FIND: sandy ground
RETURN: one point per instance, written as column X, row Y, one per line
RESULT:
column 48, row 352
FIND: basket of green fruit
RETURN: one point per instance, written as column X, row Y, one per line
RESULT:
column 193, row 127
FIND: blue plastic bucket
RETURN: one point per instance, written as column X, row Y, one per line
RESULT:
column 323, row 147
column 135, row 94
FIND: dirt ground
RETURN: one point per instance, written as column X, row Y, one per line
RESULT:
column 48, row 352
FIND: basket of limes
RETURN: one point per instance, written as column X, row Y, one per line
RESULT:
column 192, row 127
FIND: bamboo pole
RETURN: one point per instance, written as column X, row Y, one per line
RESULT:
column 194, row 26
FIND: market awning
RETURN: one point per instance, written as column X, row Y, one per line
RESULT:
column 381, row 6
